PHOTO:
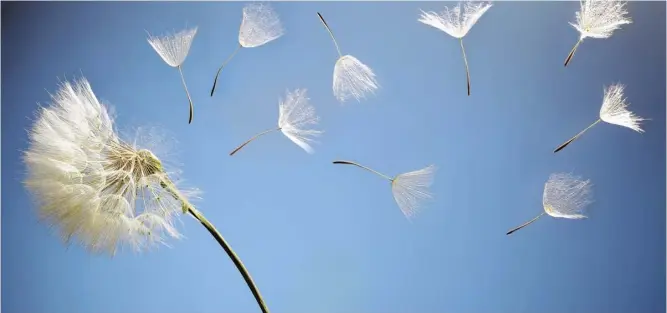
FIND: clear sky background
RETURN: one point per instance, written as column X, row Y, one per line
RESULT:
column 318, row 237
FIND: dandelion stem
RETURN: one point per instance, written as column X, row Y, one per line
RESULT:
column 465, row 60
column 237, row 261
column 215, row 81
column 330, row 33
column 221, row 240
column 364, row 167
column 253, row 138
column 575, row 137
column 525, row 224
column 569, row 56
column 188, row 93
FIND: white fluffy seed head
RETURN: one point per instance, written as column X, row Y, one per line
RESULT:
column 173, row 48
column 456, row 22
column 91, row 185
column 614, row 109
column 259, row 26
column 410, row 189
column 352, row 79
column 566, row 196
column 295, row 116
column 600, row 18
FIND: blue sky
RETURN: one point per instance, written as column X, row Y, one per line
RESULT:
column 318, row 237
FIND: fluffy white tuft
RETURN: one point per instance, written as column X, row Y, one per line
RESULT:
column 173, row 48
column 614, row 109
column 599, row 19
column 456, row 22
column 411, row 188
column 352, row 79
column 295, row 114
column 93, row 186
column 259, row 26
column 566, row 196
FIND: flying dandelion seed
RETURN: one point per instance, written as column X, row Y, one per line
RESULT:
column 351, row 78
column 295, row 114
column 260, row 25
column 174, row 48
column 565, row 196
column 613, row 111
column 100, row 189
column 598, row 19
column 457, row 23
column 409, row 189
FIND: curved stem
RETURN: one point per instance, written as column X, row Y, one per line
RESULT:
column 575, row 137
column 330, row 33
column 569, row 56
column 237, row 261
column 215, row 81
column 187, row 207
column 465, row 60
column 253, row 138
column 525, row 224
column 364, row 167
column 188, row 93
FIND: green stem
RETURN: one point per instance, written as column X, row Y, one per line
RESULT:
column 187, row 207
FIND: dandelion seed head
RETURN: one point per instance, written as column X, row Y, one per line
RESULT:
column 173, row 47
column 260, row 25
column 295, row 116
column 566, row 196
column 412, row 188
column 614, row 109
column 599, row 19
column 352, row 79
column 455, row 21
column 93, row 186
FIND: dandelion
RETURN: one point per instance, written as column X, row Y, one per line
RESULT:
column 598, row 19
column 565, row 196
column 174, row 48
column 351, row 78
column 295, row 114
column 409, row 189
column 457, row 23
column 106, row 192
column 613, row 111
column 260, row 25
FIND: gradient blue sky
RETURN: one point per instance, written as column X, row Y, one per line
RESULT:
column 318, row 237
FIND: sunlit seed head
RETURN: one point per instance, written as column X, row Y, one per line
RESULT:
column 93, row 186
